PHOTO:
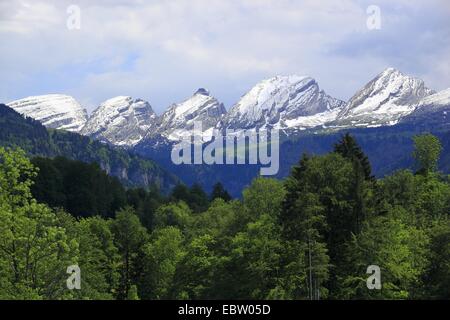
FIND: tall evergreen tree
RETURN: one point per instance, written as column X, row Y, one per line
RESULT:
column 219, row 192
column 349, row 149
column 303, row 218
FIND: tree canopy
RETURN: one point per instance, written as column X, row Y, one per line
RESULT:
column 310, row 236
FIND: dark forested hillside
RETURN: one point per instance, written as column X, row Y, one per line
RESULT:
column 388, row 149
column 36, row 140
column 80, row 188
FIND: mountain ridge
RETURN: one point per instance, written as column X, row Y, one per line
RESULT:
column 290, row 103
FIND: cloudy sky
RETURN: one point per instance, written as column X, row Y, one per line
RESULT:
column 163, row 51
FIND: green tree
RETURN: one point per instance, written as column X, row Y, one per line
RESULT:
column 249, row 268
column 399, row 249
column 426, row 198
column 173, row 214
column 322, row 212
column 219, row 192
column 255, row 257
column 437, row 275
column 130, row 237
column 195, row 197
column 163, row 254
column 196, row 272
column 264, row 196
column 99, row 259
column 198, row 201
column 427, row 149
column 34, row 249
column 220, row 220
column 145, row 202
column 349, row 149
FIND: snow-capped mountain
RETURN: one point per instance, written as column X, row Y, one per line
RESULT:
column 289, row 103
column 179, row 119
column 121, row 121
column 283, row 102
column 383, row 101
column 55, row 111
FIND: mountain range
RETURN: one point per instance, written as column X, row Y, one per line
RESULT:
column 289, row 103
column 384, row 115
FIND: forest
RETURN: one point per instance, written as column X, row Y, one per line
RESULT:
column 310, row 236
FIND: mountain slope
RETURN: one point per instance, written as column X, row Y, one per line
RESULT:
column 121, row 121
column 179, row 119
column 283, row 102
column 36, row 140
column 431, row 113
column 434, row 103
column 55, row 111
column 383, row 101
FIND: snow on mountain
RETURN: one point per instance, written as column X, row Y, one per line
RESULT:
column 283, row 102
column 288, row 103
column 434, row 101
column 384, row 100
column 55, row 111
column 121, row 121
column 433, row 110
column 178, row 120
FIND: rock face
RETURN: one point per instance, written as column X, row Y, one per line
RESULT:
column 55, row 111
column 179, row 119
column 283, row 102
column 121, row 121
column 383, row 101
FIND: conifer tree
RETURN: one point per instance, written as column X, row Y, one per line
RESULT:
column 349, row 149
column 220, row 192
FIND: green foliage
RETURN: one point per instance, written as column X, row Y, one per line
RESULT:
column 99, row 259
column 173, row 214
column 264, row 196
column 256, row 255
column 219, row 220
column 219, row 192
column 163, row 254
column 437, row 276
column 81, row 189
column 133, row 293
column 194, row 197
column 145, row 202
column 349, row 149
column 311, row 236
column 130, row 238
column 400, row 251
column 427, row 149
column 34, row 249
column 196, row 271
column 426, row 198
